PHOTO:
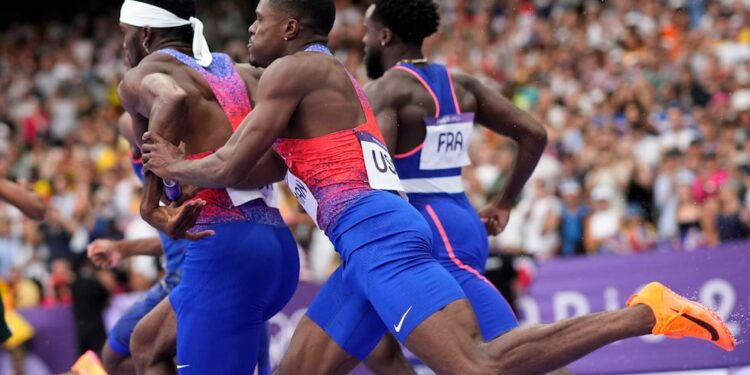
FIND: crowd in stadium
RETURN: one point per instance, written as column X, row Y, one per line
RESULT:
column 646, row 103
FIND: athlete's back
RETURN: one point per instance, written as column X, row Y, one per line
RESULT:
column 332, row 145
column 204, row 124
column 327, row 105
column 416, row 104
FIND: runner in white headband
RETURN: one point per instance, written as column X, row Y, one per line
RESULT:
column 139, row 14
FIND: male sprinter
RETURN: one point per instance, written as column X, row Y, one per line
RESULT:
column 427, row 118
column 116, row 356
column 30, row 205
column 318, row 120
column 243, row 267
column 158, row 347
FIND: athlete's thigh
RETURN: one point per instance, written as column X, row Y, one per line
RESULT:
column 156, row 333
column 399, row 276
column 211, row 341
column 494, row 314
column 460, row 238
column 229, row 281
column 119, row 337
column 346, row 316
column 207, row 349
column 313, row 352
column 448, row 340
column 461, row 247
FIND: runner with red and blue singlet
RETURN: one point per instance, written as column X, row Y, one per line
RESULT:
column 242, row 266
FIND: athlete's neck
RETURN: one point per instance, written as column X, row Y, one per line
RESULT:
column 392, row 55
column 300, row 44
column 177, row 45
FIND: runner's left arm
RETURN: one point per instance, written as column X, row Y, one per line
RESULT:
column 502, row 117
column 157, row 100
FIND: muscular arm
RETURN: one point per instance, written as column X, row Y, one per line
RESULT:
column 29, row 203
column 269, row 169
column 156, row 99
column 125, row 128
column 502, row 117
column 279, row 92
column 385, row 106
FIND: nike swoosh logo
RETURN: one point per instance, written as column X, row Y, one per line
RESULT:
column 401, row 323
column 182, row 366
column 703, row 324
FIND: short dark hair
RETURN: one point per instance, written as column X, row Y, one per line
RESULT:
column 181, row 8
column 319, row 15
column 412, row 21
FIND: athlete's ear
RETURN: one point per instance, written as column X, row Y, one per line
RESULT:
column 386, row 36
column 292, row 28
column 147, row 38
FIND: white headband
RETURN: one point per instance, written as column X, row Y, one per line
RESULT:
column 140, row 14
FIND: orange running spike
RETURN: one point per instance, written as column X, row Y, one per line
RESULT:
column 678, row 317
column 88, row 364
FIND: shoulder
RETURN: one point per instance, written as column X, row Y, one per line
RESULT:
column 154, row 63
column 251, row 76
column 296, row 74
column 248, row 71
column 299, row 65
column 465, row 81
column 393, row 89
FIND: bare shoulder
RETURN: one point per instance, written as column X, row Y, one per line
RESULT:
column 294, row 73
column 251, row 76
column 465, row 81
column 248, row 71
column 391, row 90
column 133, row 78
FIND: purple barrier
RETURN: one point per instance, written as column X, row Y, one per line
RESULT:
column 717, row 277
column 55, row 341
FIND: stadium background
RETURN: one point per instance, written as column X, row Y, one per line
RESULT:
column 647, row 106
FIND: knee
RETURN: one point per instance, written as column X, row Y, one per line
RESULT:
column 386, row 356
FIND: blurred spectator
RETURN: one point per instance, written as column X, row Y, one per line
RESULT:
column 710, row 178
column 733, row 219
column 604, row 222
column 573, row 218
column 688, row 213
column 665, row 199
column 636, row 234
column 540, row 233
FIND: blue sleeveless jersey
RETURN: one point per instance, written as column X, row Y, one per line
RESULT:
column 434, row 167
